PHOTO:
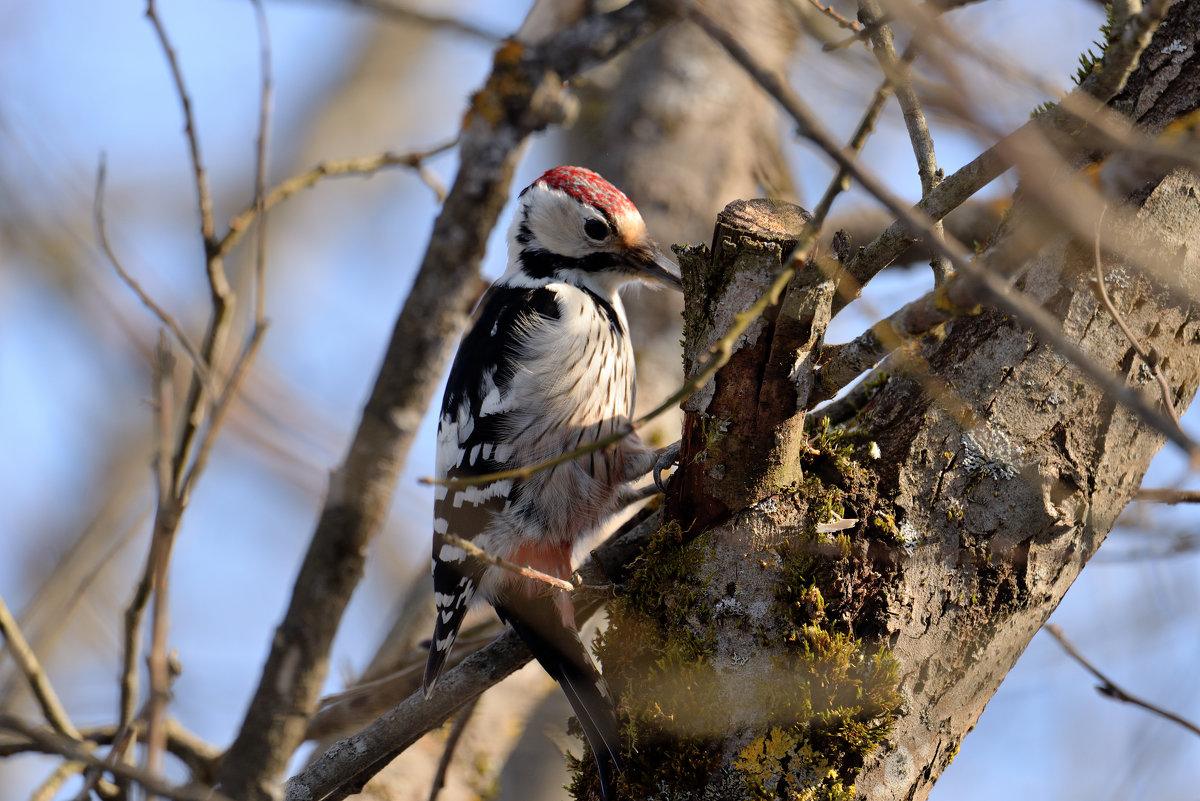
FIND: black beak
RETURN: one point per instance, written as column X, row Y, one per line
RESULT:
column 650, row 264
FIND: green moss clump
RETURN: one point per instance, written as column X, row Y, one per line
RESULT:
column 840, row 697
column 655, row 656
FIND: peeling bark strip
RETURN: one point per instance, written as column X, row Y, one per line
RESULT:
column 748, row 421
column 755, row 655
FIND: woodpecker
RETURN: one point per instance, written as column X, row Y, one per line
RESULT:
column 546, row 366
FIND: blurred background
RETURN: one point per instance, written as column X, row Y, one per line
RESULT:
column 81, row 82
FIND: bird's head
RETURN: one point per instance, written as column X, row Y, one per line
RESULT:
column 572, row 225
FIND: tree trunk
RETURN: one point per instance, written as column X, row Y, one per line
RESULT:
column 758, row 650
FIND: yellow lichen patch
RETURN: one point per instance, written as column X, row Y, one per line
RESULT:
column 779, row 765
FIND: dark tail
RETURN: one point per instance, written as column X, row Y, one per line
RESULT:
column 538, row 622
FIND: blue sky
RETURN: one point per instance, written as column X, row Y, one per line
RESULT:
column 78, row 80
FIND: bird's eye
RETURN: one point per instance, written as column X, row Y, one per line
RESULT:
column 595, row 229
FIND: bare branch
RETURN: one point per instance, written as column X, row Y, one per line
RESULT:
column 1167, row 496
column 349, row 764
column 528, row 572
column 160, row 550
column 220, row 409
column 365, row 167
column 896, row 69
column 52, row 743
column 866, row 124
column 166, row 319
column 43, row 691
column 1111, row 690
column 203, row 195
column 842, row 21
column 414, row 16
column 260, row 159
column 199, row 757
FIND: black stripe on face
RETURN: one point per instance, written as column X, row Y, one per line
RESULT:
column 539, row 263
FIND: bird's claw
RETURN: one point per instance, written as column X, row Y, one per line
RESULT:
column 667, row 457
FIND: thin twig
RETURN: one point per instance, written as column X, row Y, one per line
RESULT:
column 260, row 158
column 1150, row 357
column 28, row 662
column 48, row 789
column 53, row 743
column 866, row 125
column 411, row 15
column 220, row 409
column 1167, row 496
column 1111, row 690
column 832, row 13
column 896, row 69
column 203, row 195
column 221, row 294
column 165, row 518
column 364, row 167
column 163, row 316
column 499, row 561
column 198, row 756
column 456, row 733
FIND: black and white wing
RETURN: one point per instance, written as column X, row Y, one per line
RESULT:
column 474, row 439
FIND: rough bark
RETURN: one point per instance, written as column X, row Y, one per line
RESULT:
column 758, row 654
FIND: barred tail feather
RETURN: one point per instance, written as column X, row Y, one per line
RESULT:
column 452, row 593
column 561, row 653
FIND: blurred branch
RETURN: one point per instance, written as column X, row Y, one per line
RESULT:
column 199, row 757
column 48, row 789
column 418, row 17
column 1111, row 690
column 842, row 21
column 523, row 94
column 348, row 765
column 166, row 319
column 203, row 195
column 43, row 691
column 52, row 743
column 220, row 293
column 1167, row 496
column 174, row 477
column 1085, row 104
column 260, row 161
column 866, row 125
column 157, row 574
column 354, row 708
column 364, row 166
